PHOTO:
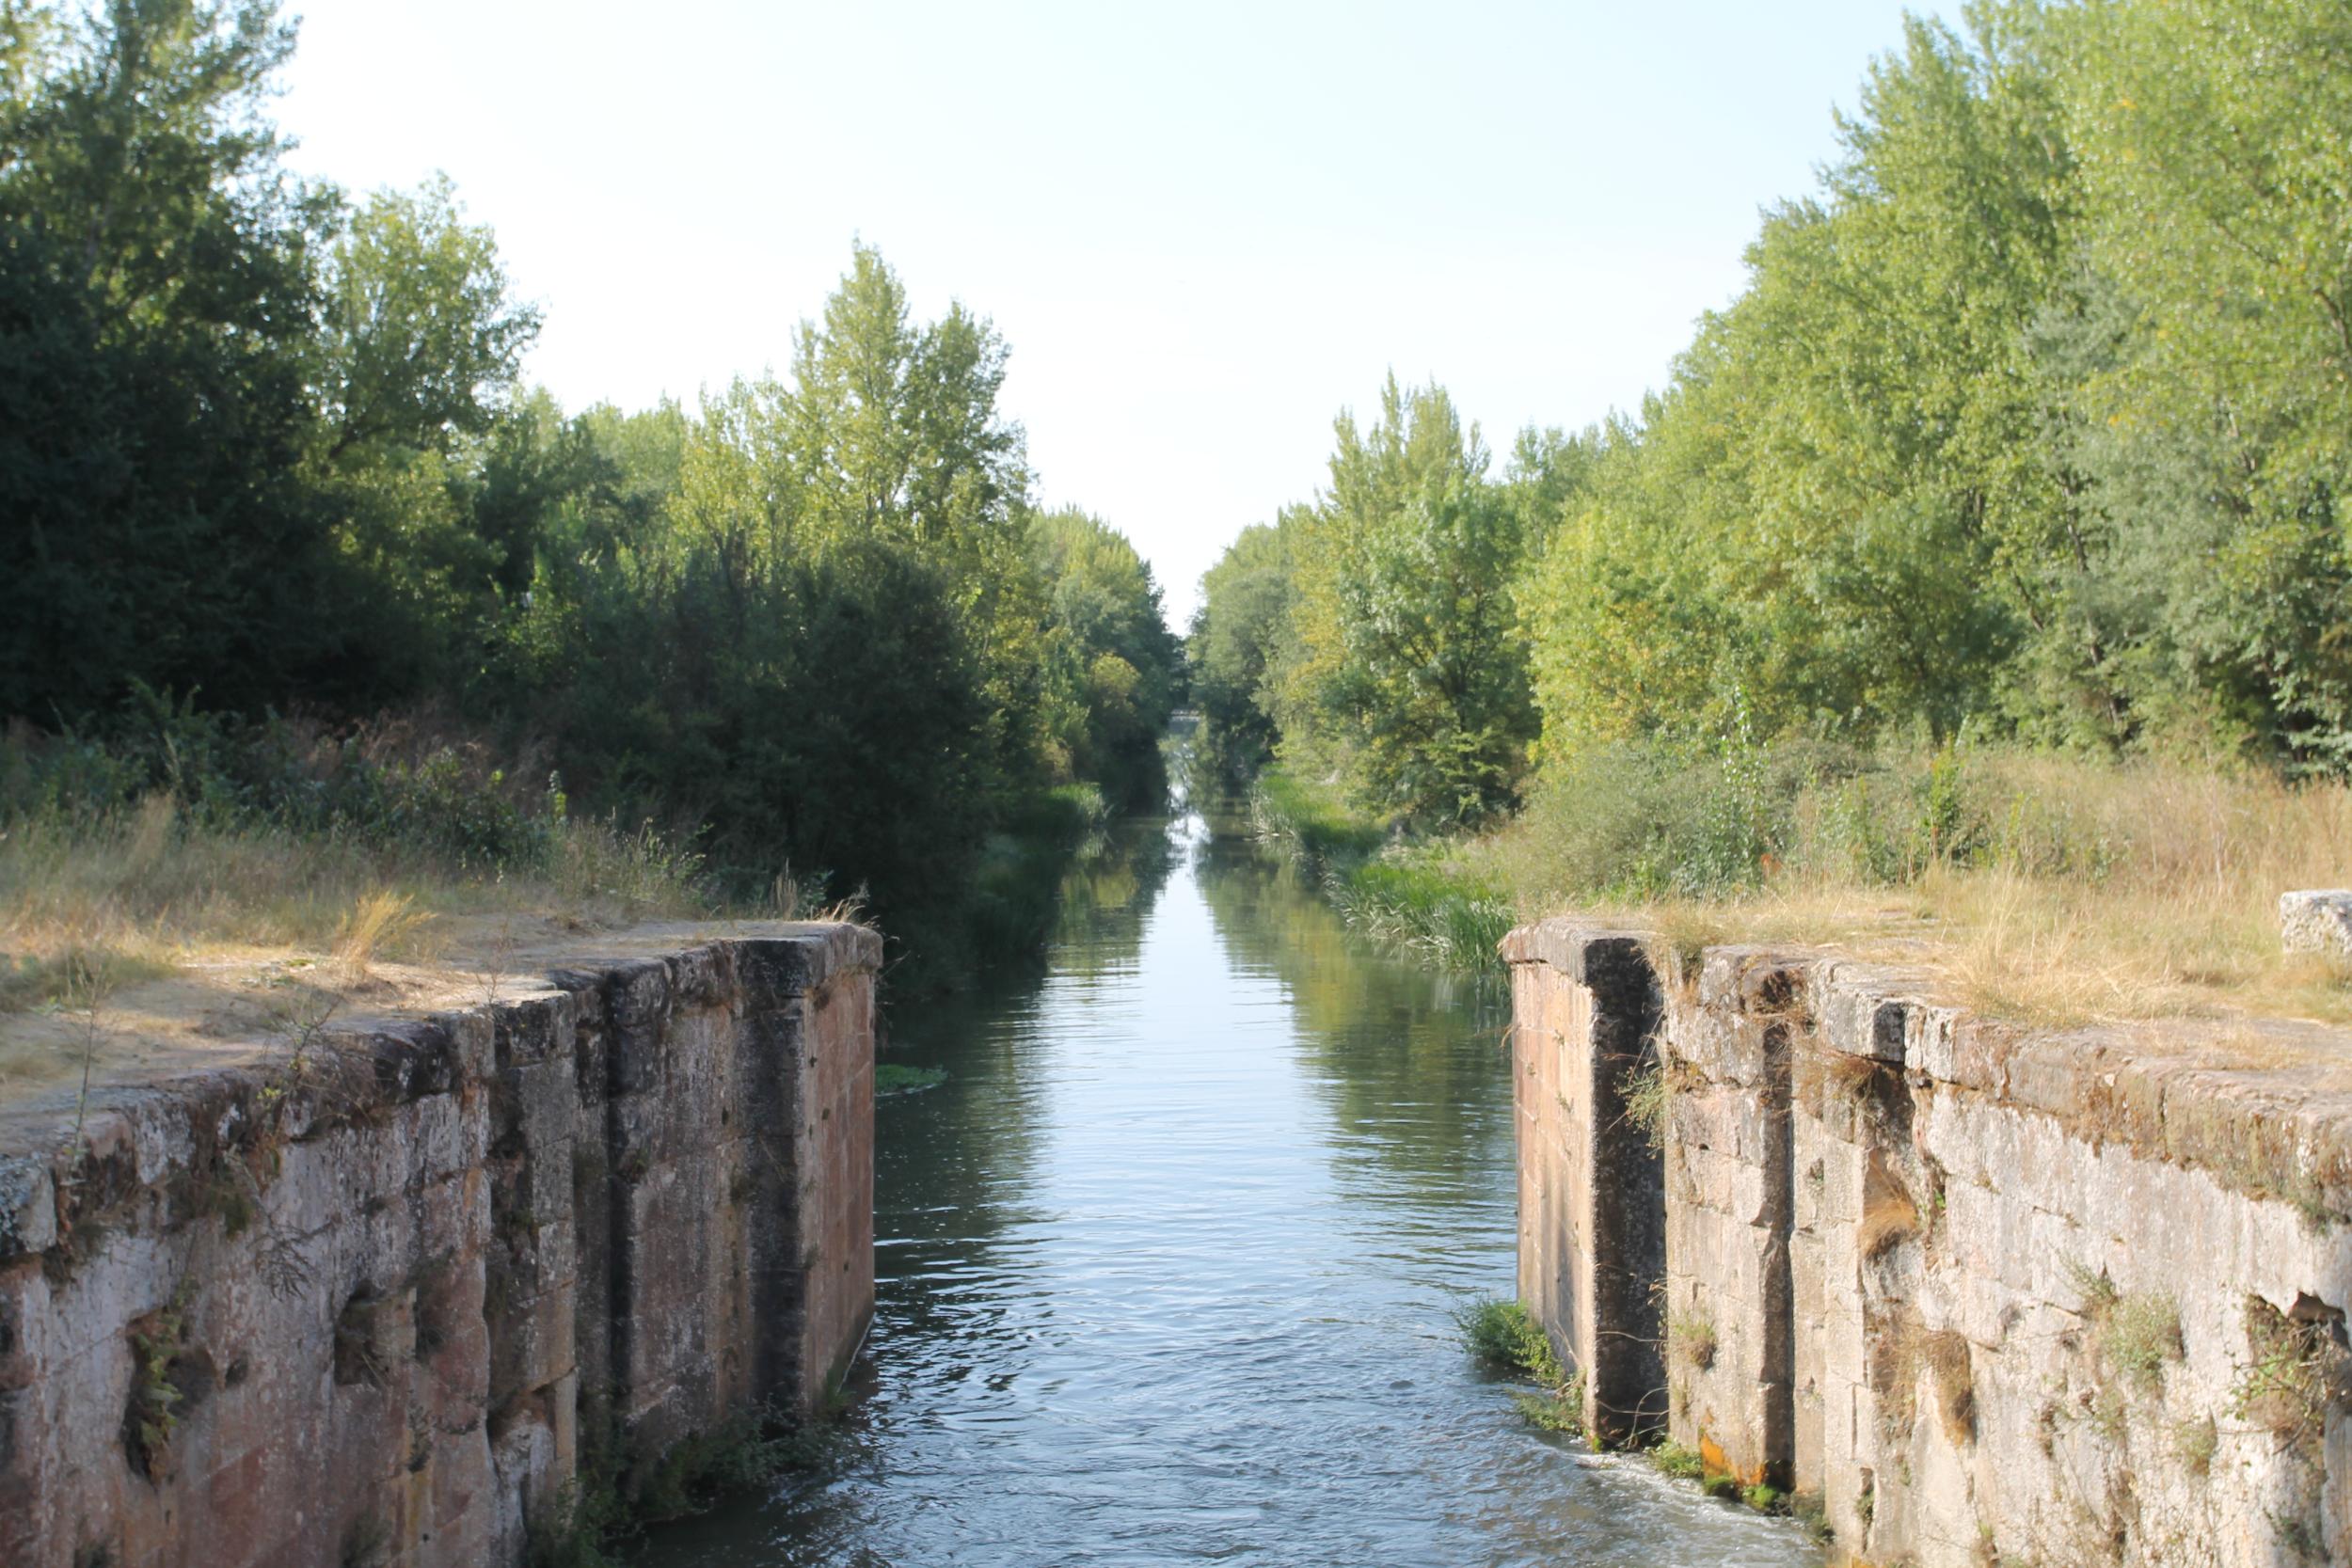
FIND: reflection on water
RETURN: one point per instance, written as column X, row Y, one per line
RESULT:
column 1167, row 1267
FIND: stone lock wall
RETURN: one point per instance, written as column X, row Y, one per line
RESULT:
column 1977, row 1296
column 1592, row 1205
column 380, row 1298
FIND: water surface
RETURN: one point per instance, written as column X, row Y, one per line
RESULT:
column 1167, row 1268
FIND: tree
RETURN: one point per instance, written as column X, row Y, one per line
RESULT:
column 420, row 353
column 157, row 312
column 1112, row 667
column 1409, row 678
column 2217, row 146
column 1236, row 643
column 424, row 340
column 1841, row 515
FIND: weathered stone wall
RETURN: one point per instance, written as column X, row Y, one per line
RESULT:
column 378, row 1299
column 1591, row 1233
column 1982, row 1296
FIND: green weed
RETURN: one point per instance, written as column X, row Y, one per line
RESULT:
column 1676, row 1461
column 899, row 1078
column 1505, row 1334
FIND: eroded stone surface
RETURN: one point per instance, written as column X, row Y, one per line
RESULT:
column 2316, row 921
column 1981, row 1295
column 1592, row 1237
column 352, row 1305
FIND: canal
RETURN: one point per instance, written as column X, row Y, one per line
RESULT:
column 1168, row 1265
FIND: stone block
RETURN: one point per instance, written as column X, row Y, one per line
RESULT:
column 2316, row 920
column 1592, row 1204
column 534, row 1029
column 388, row 1354
column 28, row 1205
column 1857, row 1012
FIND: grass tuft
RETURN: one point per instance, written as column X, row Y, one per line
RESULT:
column 1676, row 1461
column 1648, row 1093
column 1692, row 1338
column 1890, row 1216
column 1505, row 1336
column 382, row 923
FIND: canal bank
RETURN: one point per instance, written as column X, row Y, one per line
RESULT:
column 1167, row 1268
column 1978, row 1294
column 406, row 1292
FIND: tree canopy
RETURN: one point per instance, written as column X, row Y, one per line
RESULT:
column 2031, row 421
column 267, row 448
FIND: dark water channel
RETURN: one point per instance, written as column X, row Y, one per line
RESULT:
column 1167, row 1267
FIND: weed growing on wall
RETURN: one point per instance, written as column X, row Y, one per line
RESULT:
column 1648, row 1094
column 1691, row 1338
column 1675, row 1462
column 1505, row 1336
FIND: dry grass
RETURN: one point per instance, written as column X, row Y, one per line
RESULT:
column 96, row 910
column 1692, row 1338
column 2087, row 892
column 1950, row 1362
column 1889, row 1215
column 152, row 889
column 383, row 923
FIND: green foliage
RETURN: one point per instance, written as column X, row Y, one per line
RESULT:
column 900, row 1078
column 1406, row 897
column 267, row 452
column 1562, row 1412
column 158, row 296
column 158, row 1341
column 1403, row 672
column 1676, row 1461
column 1507, row 1337
column 1648, row 1094
column 1286, row 810
column 1237, row 641
column 1112, row 669
column 2028, row 425
column 1452, row 921
column 2140, row 1333
column 1504, row 1335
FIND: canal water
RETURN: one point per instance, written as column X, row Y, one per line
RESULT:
column 1168, row 1266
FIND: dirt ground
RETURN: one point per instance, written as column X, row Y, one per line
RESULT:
column 227, row 1009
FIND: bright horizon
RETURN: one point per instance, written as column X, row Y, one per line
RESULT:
column 1200, row 244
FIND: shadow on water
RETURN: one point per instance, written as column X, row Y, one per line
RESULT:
column 1168, row 1265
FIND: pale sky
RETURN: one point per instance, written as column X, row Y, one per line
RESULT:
column 1203, row 229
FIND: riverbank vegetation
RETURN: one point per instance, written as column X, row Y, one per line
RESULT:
column 1974, row 589
column 312, row 597
column 1505, row 1336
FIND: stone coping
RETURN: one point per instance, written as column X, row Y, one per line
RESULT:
column 137, row 1130
column 2263, row 1104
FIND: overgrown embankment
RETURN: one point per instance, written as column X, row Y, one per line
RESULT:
column 184, row 876
column 2045, row 889
column 814, row 629
column 1406, row 894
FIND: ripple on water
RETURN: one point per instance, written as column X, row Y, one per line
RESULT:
column 1167, row 1268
